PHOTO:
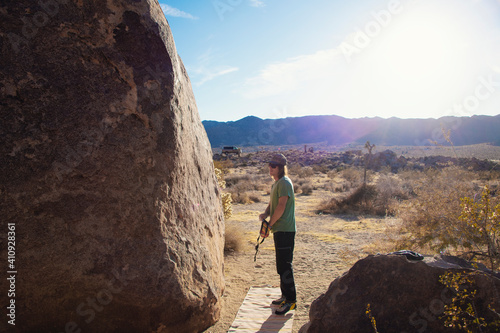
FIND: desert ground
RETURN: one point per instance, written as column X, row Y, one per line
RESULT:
column 327, row 245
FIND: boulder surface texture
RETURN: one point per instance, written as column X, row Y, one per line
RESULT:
column 106, row 175
column 403, row 296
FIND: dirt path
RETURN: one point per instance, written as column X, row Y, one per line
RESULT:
column 326, row 247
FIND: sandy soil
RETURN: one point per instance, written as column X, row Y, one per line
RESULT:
column 326, row 247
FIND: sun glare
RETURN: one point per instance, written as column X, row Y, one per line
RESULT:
column 421, row 51
column 421, row 60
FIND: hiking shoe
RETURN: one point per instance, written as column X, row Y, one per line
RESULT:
column 279, row 300
column 285, row 307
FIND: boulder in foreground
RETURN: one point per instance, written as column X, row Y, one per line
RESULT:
column 403, row 296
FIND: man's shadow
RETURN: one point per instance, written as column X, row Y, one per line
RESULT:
column 275, row 322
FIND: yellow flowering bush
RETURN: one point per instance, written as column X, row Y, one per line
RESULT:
column 226, row 197
column 481, row 232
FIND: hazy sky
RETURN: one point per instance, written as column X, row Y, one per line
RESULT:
column 362, row 58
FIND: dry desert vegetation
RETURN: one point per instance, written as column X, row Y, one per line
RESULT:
column 341, row 217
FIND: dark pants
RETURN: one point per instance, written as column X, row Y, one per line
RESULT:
column 284, row 243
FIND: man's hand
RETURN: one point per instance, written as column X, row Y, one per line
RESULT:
column 262, row 217
column 264, row 229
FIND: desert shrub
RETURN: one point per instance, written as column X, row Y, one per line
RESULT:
column 385, row 170
column 466, row 311
column 363, row 200
column 297, row 185
column 391, row 188
column 264, row 170
column 302, row 172
column 243, row 187
column 335, row 187
column 233, row 241
column 353, row 176
column 232, row 180
column 368, row 313
column 243, row 183
column 481, row 227
column 490, row 175
column 410, row 175
column 254, row 198
column 306, row 189
column 332, row 174
column 226, row 199
column 340, row 187
column 227, row 205
column 321, row 168
column 430, row 219
column 244, row 197
column 409, row 180
column 224, row 166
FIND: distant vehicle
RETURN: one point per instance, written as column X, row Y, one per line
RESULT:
column 227, row 150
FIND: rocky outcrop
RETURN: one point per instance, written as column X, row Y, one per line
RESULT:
column 106, row 176
column 386, row 158
column 403, row 296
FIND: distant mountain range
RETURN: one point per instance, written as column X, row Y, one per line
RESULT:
column 339, row 131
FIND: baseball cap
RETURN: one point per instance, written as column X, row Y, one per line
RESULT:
column 278, row 159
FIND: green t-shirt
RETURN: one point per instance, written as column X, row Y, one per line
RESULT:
column 281, row 188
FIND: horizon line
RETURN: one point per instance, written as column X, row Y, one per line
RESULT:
column 366, row 117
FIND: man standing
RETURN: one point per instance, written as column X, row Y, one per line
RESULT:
column 281, row 210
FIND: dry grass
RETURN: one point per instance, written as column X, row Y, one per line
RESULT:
column 244, row 197
column 410, row 195
column 234, row 239
column 246, row 184
column 327, row 245
column 327, row 237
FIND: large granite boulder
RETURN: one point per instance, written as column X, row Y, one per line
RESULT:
column 106, row 179
column 404, row 296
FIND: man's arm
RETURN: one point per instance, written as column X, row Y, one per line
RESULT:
column 266, row 213
column 280, row 209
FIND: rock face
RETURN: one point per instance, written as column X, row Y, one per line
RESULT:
column 404, row 296
column 106, row 176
